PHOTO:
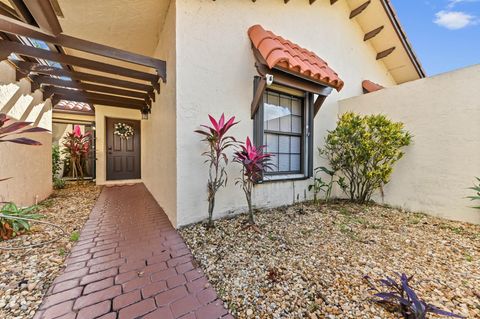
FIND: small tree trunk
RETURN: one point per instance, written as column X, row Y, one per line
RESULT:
column 251, row 218
column 211, row 205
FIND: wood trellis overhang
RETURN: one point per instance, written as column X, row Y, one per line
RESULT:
column 117, row 85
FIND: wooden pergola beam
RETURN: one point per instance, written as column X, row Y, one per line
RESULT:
column 7, row 47
column 355, row 12
column 8, row 11
column 12, row 26
column 262, row 84
column 372, row 33
column 22, row 10
column 47, row 80
column 75, row 95
column 385, row 53
column 28, row 67
column 332, row 2
column 43, row 13
column 78, row 98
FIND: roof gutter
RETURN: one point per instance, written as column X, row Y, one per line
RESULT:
column 387, row 5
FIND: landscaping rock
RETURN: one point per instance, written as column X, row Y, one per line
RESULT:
column 28, row 273
column 311, row 264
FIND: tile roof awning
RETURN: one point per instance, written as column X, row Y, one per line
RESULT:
column 369, row 86
column 285, row 55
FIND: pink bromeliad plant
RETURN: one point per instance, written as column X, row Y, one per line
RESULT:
column 217, row 140
column 254, row 162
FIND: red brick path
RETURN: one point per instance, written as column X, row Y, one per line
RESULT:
column 130, row 263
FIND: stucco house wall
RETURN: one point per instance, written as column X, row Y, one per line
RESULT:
column 26, row 186
column 160, row 130
column 443, row 114
column 215, row 71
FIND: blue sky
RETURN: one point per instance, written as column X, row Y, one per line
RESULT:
column 445, row 34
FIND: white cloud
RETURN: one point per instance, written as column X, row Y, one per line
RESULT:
column 454, row 20
column 453, row 3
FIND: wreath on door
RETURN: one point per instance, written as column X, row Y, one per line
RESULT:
column 123, row 130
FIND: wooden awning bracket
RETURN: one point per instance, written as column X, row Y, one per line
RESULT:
column 257, row 97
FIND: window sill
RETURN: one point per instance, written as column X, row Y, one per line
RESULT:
column 283, row 178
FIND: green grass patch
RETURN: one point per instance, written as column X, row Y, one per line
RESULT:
column 74, row 236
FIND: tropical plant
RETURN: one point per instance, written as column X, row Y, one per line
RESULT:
column 401, row 296
column 15, row 220
column 254, row 162
column 77, row 147
column 16, row 128
column 218, row 142
column 364, row 149
column 58, row 183
column 475, row 188
column 56, row 161
column 326, row 186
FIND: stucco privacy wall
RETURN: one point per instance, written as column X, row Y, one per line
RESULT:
column 28, row 166
column 159, row 131
column 101, row 114
column 443, row 114
column 215, row 70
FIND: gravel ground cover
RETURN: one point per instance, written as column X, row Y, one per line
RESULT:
column 308, row 261
column 27, row 274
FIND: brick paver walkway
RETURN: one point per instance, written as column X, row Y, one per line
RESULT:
column 130, row 263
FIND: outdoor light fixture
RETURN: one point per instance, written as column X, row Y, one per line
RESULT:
column 269, row 79
column 145, row 114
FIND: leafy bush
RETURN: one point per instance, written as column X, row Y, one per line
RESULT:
column 56, row 161
column 218, row 142
column 254, row 162
column 476, row 188
column 326, row 186
column 77, row 147
column 58, row 183
column 401, row 296
column 364, row 149
column 15, row 220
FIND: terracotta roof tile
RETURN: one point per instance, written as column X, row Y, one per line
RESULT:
column 369, row 86
column 281, row 53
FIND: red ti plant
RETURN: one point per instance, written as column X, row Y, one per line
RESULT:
column 15, row 128
column 254, row 162
column 217, row 140
column 77, row 147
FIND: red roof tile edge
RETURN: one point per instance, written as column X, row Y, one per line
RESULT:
column 284, row 54
column 369, row 86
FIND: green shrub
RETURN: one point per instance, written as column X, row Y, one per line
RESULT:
column 363, row 149
column 476, row 188
column 56, row 161
column 58, row 183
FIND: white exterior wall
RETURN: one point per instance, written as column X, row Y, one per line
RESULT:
column 30, row 167
column 160, row 163
column 215, row 70
column 443, row 114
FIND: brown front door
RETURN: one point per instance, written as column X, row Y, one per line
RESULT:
column 123, row 154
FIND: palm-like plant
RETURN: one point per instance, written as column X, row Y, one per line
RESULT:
column 217, row 140
column 77, row 147
column 254, row 162
column 476, row 188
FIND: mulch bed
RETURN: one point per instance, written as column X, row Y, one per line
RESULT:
column 26, row 274
column 309, row 260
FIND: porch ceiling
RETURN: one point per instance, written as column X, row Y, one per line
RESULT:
column 98, row 58
column 131, row 25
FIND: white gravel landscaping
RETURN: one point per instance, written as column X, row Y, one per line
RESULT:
column 309, row 260
column 27, row 274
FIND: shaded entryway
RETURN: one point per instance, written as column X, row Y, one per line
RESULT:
column 130, row 263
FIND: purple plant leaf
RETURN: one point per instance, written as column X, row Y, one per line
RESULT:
column 435, row 310
column 22, row 140
column 34, row 130
column 13, row 127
